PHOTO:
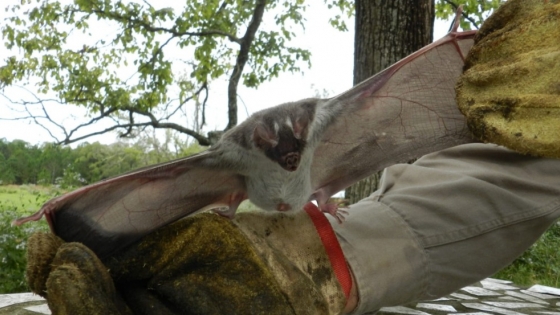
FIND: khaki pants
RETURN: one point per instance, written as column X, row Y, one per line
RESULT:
column 452, row 218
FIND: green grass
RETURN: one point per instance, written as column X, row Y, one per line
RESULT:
column 26, row 199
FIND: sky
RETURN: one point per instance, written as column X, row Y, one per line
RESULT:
column 331, row 72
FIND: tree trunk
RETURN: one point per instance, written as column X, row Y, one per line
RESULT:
column 386, row 31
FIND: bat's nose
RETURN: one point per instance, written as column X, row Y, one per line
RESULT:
column 283, row 207
column 291, row 162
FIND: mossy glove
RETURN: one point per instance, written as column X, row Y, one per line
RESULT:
column 260, row 263
column 510, row 88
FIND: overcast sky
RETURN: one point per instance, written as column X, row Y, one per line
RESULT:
column 331, row 71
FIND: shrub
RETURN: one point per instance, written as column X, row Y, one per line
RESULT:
column 13, row 240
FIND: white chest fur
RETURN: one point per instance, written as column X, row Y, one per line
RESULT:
column 269, row 185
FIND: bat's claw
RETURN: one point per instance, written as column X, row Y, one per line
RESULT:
column 46, row 210
column 338, row 213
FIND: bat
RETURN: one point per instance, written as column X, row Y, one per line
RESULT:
column 282, row 157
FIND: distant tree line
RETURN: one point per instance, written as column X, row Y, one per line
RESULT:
column 51, row 164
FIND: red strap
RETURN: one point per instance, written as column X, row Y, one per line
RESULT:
column 330, row 242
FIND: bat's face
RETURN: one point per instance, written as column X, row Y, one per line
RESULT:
column 281, row 132
column 287, row 153
column 280, row 144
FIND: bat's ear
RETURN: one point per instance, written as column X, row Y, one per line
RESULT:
column 302, row 116
column 300, row 128
column 264, row 138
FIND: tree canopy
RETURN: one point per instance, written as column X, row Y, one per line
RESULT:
column 118, row 60
column 127, row 75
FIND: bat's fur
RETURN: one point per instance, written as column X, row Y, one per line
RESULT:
column 269, row 184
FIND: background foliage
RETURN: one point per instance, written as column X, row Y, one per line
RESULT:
column 476, row 11
column 16, row 201
column 49, row 164
column 131, row 77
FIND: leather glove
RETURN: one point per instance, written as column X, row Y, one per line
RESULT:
column 260, row 263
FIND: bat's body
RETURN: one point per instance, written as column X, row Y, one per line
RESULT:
column 281, row 158
column 275, row 162
column 272, row 188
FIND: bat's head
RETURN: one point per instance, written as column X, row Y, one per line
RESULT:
column 280, row 144
column 282, row 134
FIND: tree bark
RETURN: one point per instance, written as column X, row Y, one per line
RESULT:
column 386, row 31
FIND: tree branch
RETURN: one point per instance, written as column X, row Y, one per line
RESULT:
column 155, row 123
column 126, row 119
column 242, row 58
column 463, row 13
column 69, row 137
column 172, row 31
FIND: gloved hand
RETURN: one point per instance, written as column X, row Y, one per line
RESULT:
column 260, row 263
column 509, row 89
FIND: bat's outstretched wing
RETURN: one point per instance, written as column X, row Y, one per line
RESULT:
column 113, row 213
column 405, row 111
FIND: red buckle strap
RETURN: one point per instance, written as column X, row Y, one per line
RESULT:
column 330, row 242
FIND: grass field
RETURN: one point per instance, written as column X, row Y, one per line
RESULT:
column 25, row 199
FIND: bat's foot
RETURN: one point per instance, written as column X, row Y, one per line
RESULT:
column 234, row 201
column 333, row 209
column 225, row 212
